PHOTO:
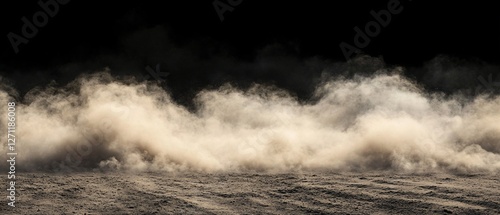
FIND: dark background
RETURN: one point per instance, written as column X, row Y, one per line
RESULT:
column 285, row 43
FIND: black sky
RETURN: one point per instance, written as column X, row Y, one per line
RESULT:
column 129, row 35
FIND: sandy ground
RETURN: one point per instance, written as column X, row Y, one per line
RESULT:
column 243, row 193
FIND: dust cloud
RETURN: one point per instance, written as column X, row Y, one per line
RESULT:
column 378, row 122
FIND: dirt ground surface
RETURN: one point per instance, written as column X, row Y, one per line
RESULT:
column 255, row 193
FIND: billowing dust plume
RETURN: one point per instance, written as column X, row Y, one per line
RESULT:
column 381, row 122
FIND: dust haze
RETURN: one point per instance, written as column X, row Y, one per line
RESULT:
column 382, row 121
